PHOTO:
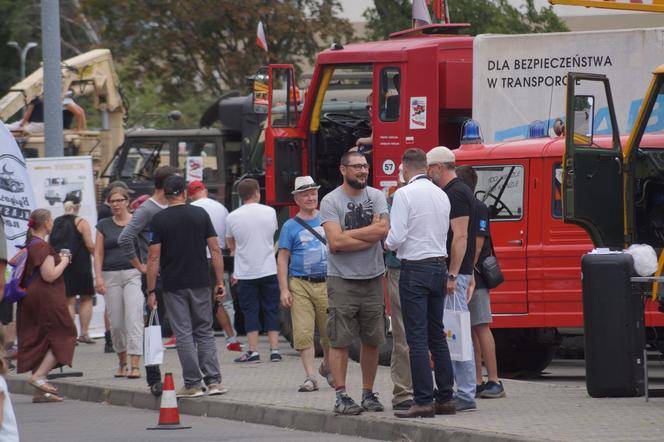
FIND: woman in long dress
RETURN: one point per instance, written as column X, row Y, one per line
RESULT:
column 45, row 329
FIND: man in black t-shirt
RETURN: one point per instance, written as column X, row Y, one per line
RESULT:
column 179, row 236
column 480, row 306
column 461, row 253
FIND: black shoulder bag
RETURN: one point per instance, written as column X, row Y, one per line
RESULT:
column 311, row 230
column 490, row 270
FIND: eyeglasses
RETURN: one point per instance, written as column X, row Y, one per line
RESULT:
column 118, row 201
column 357, row 167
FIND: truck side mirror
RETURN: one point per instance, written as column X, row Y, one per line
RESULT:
column 584, row 107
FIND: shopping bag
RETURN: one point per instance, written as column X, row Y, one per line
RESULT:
column 153, row 348
column 456, row 323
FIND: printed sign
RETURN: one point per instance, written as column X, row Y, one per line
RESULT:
column 520, row 79
column 16, row 197
column 194, row 169
column 418, row 113
column 388, row 167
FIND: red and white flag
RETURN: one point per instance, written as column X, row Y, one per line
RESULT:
column 260, row 36
column 421, row 15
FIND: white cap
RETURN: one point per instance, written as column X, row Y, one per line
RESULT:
column 303, row 183
column 440, row 154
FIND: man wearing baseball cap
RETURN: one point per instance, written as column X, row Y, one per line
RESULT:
column 302, row 271
column 198, row 194
column 461, row 254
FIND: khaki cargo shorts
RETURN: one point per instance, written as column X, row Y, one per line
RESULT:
column 356, row 308
column 309, row 309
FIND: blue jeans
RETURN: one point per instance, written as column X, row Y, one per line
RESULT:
column 257, row 294
column 464, row 371
column 422, row 293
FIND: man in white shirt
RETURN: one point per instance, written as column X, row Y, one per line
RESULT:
column 250, row 236
column 418, row 233
column 198, row 194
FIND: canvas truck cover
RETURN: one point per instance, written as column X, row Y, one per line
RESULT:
column 519, row 79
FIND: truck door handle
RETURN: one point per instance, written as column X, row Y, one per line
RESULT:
column 619, row 165
column 515, row 242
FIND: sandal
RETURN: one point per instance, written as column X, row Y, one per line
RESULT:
column 86, row 339
column 135, row 373
column 43, row 385
column 122, row 371
column 46, row 398
column 308, row 385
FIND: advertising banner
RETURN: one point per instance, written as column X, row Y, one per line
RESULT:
column 520, row 79
column 16, row 197
column 53, row 180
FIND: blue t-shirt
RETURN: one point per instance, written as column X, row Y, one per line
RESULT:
column 308, row 254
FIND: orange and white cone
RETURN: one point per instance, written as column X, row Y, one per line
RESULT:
column 169, row 416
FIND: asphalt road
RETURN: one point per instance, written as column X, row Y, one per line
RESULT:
column 75, row 421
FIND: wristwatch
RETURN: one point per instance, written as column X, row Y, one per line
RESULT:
column 451, row 276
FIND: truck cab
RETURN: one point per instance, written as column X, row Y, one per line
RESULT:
column 413, row 90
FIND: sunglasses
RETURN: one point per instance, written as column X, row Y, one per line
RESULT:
column 117, row 201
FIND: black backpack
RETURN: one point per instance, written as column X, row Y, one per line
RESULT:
column 65, row 235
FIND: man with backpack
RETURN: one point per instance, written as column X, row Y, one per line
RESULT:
column 302, row 271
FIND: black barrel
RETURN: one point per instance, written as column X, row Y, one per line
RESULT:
column 613, row 320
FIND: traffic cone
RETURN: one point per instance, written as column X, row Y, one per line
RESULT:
column 169, row 416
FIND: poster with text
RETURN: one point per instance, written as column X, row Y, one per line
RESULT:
column 418, row 113
column 522, row 79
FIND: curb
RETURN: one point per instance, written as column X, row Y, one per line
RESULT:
column 285, row 417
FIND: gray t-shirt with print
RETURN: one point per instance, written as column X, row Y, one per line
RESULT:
column 353, row 213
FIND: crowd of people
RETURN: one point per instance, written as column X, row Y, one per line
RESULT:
column 424, row 242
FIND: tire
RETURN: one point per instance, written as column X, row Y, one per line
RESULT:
column 384, row 352
column 525, row 353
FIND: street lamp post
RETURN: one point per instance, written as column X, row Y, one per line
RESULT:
column 23, row 52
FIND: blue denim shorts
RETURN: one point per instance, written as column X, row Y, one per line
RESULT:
column 259, row 294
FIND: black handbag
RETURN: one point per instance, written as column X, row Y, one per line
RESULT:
column 490, row 271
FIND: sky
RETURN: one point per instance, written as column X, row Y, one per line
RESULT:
column 353, row 9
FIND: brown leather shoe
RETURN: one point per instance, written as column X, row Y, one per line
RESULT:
column 417, row 411
column 447, row 407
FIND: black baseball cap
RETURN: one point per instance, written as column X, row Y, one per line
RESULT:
column 174, row 185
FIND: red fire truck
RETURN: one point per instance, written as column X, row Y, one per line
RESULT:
column 420, row 96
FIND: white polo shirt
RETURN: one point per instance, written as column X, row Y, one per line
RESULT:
column 218, row 214
column 419, row 220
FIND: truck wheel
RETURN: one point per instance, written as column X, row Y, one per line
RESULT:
column 524, row 353
column 384, row 352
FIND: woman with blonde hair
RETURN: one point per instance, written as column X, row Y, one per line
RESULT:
column 72, row 232
column 120, row 283
column 46, row 332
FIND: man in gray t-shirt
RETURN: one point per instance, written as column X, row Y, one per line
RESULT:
column 355, row 219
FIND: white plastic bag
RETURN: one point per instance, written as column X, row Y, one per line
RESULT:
column 645, row 259
column 456, row 323
column 153, row 348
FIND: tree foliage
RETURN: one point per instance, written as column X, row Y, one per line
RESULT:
column 484, row 16
column 175, row 53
